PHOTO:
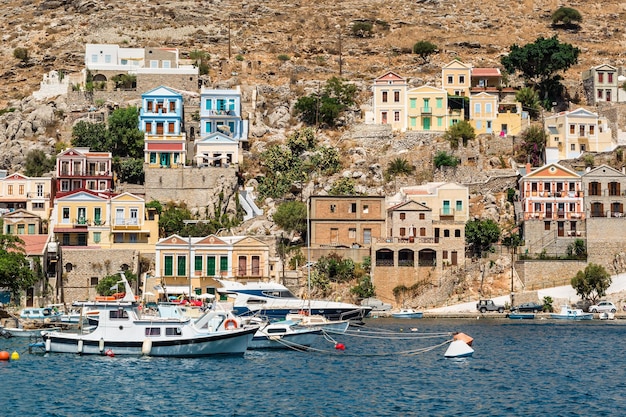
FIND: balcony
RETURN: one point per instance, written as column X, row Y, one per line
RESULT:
column 427, row 110
column 35, row 195
column 81, row 222
column 126, row 224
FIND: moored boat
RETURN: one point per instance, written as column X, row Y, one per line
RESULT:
column 521, row 316
column 121, row 329
column 568, row 313
column 407, row 313
column 284, row 335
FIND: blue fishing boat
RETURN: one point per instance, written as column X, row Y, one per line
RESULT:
column 521, row 316
column 407, row 313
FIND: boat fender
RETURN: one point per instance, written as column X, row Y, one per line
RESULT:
column 458, row 349
column 15, row 356
column 4, row 355
column 230, row 324
column 101, row 345
column 462, row 336
column 48, row 344
column 146, row 347
column 79, row 348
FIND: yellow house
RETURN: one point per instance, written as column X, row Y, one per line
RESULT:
column 428, row 109
column 86, row 218
column 456, row 78
column 196, row 262
column 32, row 194
column 21, row 222
column 572, row 133
column 389, row 100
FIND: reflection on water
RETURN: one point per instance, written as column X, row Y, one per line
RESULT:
column 542, row 367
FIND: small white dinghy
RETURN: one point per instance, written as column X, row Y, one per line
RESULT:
column 460, row 347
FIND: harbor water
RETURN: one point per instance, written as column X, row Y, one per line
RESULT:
column 525, row 367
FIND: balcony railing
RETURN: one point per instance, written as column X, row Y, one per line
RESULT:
column 126, row 224
column 37, row 195
column 427, row 110
column 82, row 173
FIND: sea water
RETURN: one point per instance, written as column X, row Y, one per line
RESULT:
column 539, row 367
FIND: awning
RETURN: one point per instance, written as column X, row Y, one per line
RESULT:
column 174, row 289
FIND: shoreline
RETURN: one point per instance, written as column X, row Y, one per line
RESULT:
column 479, row 316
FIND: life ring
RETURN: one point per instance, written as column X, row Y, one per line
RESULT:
column 230, row 324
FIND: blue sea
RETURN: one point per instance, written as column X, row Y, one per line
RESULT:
column 529, row 368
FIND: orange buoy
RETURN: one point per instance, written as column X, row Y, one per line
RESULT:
column 109, row 353
column 4, row 355
column 340, row 346
column 462, row 336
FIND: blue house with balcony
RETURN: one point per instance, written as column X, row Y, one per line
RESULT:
column 161, row 119
column 220, row 112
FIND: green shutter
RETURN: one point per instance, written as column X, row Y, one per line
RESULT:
column 198, row 263
column 182, row 266
column 210, row 266
column 168, row 265
column 224, row 263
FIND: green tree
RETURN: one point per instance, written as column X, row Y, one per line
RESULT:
column 462, row 130
column 577, row 249
column 38, row 163
column 530, row 101
column 301, row 140
column 111, row 284
column 21, row 54
column 399, row 166
column 592, row 283
column 328, row 105
column 365, row 288
column 362, row 29
column 129, row 170
column 539, row 63
column 424, row 49
column 568, row 17
column 90, row 135
column 480, row 235
column 326, row 160
column 335, row 267
column 282, row 169
column 442, row 158
column 15, row 272
column 291, row 216
column 172, row 219
column 343, row 186
column 200, row 60
column 532, row 145
column 125, row 138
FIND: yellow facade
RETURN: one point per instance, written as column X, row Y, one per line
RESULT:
column 456, row 78
column 32, row 194
column 427, row 109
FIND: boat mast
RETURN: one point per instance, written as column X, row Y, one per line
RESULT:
column 308, row 245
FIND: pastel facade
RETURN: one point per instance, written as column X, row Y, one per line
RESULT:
column 89, row 219
column 428, row 109
column 21, row 222
column 456, row 78
column 232, row 257
column 220, row 112
column 33, row 194
column 217, row 150
column 346, row 220
column 389, row 101
column 80, row 168
column 605, row 192
column 572, row 133
column 603, row 84
column 161, row 119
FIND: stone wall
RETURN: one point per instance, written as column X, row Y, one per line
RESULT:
column 81, row 265
column 198, row 187
column 605, row 241
column 538, row 274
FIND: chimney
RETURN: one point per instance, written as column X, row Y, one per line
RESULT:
column 527, row 168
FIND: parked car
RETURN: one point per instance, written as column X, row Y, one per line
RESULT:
column 488, row 305
column 603, row 307
column 528, row 308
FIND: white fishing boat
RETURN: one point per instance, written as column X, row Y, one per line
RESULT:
column 122, row 330
column 407, row 313
column 569, row 313
column 303, row 319
column 46, row 314
column 275, row 301
column 30, row 333
column 284, row 335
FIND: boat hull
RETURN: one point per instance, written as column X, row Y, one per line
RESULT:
column 570, row 317
column 521, row 316
column 297, row 340
column 407, row 315
column 279, row 313
column 228, row 343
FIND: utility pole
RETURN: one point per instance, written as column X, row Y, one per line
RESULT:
column 340, row 52
column 229, row 47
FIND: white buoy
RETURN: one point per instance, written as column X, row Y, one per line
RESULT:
column 146, row 347
column 458, row 349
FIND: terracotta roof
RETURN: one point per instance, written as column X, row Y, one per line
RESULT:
column 485, row 72
column 34, row 244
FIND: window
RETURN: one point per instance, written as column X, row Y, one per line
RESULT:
column 168, row 265
column 546, row 225
column 413, row 103
column 153, row 331
column 366, row 209
column 600, row 77
column 154, row 63
column 223, row 263
column 31, row 229
column 333, row 208
column 461, row 79
column 402, row 216
column 107, row 59
column 93, row 281
column 210, row 265
column 352, row 208
column 591, row 130
column 422, row 231
column 572, row 129
column 446, row 233
column 134, row 213
column 581, row 130
column 385, row 97
column 396, row 96
column 459, row 205
column 97, row 236
column 444, row 254
column 65, row 215
column 20, row 229
column 367, row 236
column 38, row 206
column 439, row 103
column 476, row 108
column 396, row 116
column 352, row 233
column 457, row 232
column 132, row 238
column 572, row 147
column 402, row 231
column 120, row 313
column 181, row 265
column 94, row 58
column 21, row 189
column 610, row 77
column 487, row 108
column 173, row 331
column 384, row 117
column 10, row 189
column 166, row 64
column 583, row 148
column 599, row 93
column 422, row 216
column 450, row 79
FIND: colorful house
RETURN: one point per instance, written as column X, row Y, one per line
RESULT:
column 456, row 78
column 389, row 101
column 80, row 168
column 602, row 84
column 21, row 222
column 571, row 133
column 161, row 119
column 220, row 112
column 428, row 109
column 33, row 194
